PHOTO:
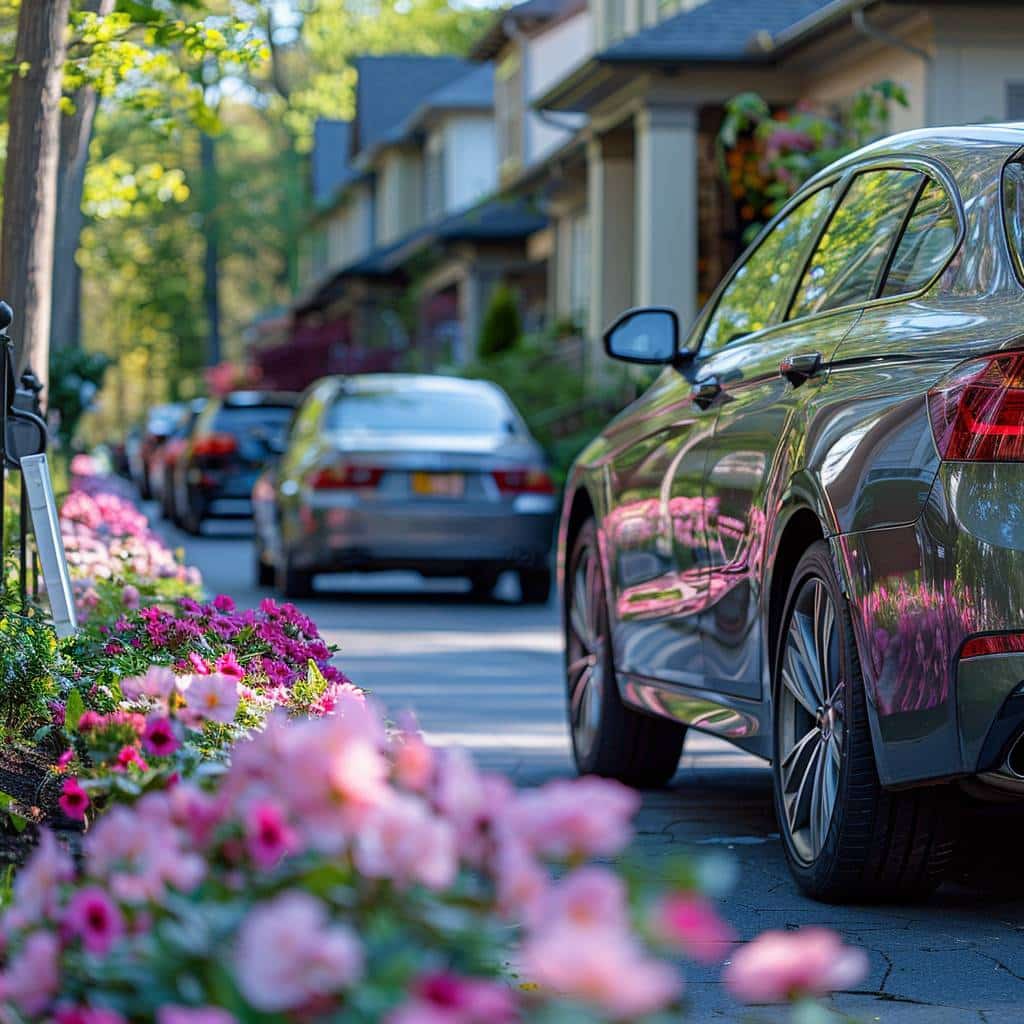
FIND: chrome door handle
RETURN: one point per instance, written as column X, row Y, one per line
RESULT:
column 705, row 391
column 798, row 368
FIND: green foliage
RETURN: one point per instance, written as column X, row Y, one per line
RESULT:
column 28, row 658
column 75, row 378
column 501, row 328
column 767, row 155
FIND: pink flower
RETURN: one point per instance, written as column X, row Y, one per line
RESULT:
column 32, row 977
column 159, row 739
column 453, row 999
column 129, row 757
column 87, row 1015
column 158, row 684
column 268, row 835
column 211, row 698
column 199, row 663
column 777, row 966
column 65, row 759
column 402, row 841
column 288, row 953
column 193, row 1015
column 689, row 922
column 413, row 760
column 95, row 919
column 36, row 892
column 587, row 817
column 227, row 665
column 73, row 800
column 521, row 882
column 130, row 596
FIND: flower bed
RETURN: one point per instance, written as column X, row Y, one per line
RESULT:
column 262, row 845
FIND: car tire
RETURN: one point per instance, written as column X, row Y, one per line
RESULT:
column 608, row 738
column 871, row 844
column 482, row 583
column 291, row 581
column 534, row 586
column 191, row 520
column 263, row 574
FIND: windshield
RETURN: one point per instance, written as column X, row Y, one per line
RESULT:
column 429, row 412
column 270, row 421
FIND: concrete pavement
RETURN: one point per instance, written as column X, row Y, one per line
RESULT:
column 489, row 677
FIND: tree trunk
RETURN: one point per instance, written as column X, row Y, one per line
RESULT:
column 211, row 261
column 75, row 136
column 30, row 179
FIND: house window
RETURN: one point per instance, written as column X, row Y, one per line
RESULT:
column 434, row 174
column 508, row 102
column 615, row 20
column 1015, row 101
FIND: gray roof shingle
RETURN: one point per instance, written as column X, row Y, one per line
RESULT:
column 329, row 162
column 390, row 88
column 717, row 30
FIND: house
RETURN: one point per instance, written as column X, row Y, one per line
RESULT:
column 652, row 87
column 406, row 238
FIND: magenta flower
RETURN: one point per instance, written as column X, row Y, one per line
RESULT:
column 159, row 739
column 268, row 835
column 223, row 603
column 74, row 800
column 689, row 922
column 86, row 1015
column 453, row 999
column 779, row 967
column 128, row 757
column 228, row 665
column 65, row 759
column 94, row 918
column 199, row 664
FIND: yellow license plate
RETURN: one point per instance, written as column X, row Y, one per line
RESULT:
column 439, row 485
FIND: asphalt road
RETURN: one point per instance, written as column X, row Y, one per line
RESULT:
column 489, row 677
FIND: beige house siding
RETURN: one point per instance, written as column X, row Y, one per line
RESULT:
column 400, row 194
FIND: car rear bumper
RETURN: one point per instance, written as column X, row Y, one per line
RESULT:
column 918, row 593
column 428, row 536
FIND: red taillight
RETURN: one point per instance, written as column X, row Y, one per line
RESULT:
column 977, row 412
column 345, row 477
column 215, row 444
column 996, row 643
column 523, row 481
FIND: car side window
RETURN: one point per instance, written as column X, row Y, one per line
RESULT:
column 1013, row 213
column 758, row 291
column 927, row 242
column 852, row 251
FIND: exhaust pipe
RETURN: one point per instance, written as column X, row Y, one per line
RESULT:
column 1015, row 758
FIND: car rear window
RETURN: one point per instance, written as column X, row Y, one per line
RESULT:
column 926, row 244
column 239, row 419
column 1013, row 213
column 430, row 412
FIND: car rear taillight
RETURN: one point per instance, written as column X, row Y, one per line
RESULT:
column 345, row 477
column 993, row 643
column 215, row 444
column 977, row 412
column 524, row 481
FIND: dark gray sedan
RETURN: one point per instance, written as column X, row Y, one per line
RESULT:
column 391, row 471
column 807, row 537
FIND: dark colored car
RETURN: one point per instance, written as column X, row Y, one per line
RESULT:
column 807, row 537
column 231, row 441
column 165, row 460
column 397, row 471
column 161, row 422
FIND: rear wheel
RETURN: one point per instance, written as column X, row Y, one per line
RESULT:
column 845, row 837
column 534, row 585
column 608, row 738
column 291, row 581
column 263, row 573
column 191, row 520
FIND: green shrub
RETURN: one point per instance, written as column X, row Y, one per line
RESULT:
column 502, row 327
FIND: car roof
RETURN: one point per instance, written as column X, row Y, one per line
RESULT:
column 422, row 382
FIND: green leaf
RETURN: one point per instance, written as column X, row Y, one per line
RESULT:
column 73, row 710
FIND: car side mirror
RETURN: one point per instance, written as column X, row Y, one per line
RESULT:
column 647, row 335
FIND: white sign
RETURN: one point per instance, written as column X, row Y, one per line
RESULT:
column 35, row 475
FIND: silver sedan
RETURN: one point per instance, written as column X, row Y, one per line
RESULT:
column 434, row 474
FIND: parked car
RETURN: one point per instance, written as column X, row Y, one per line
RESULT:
column 807, row 537
column 165, row 459
column 391, row 471
column 231, row 441
column 161, row 422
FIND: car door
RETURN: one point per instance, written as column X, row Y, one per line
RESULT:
column 657, row 527
column 768, row 382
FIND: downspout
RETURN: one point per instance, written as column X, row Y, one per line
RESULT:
column 864, row 27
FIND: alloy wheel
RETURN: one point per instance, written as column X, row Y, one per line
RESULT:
column 586, row 652
column 812, row 720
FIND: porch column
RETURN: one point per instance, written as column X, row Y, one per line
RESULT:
column 667, row 209
column 610, row 181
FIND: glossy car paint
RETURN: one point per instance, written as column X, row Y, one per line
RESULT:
column 697, row 508
column 387, row 527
